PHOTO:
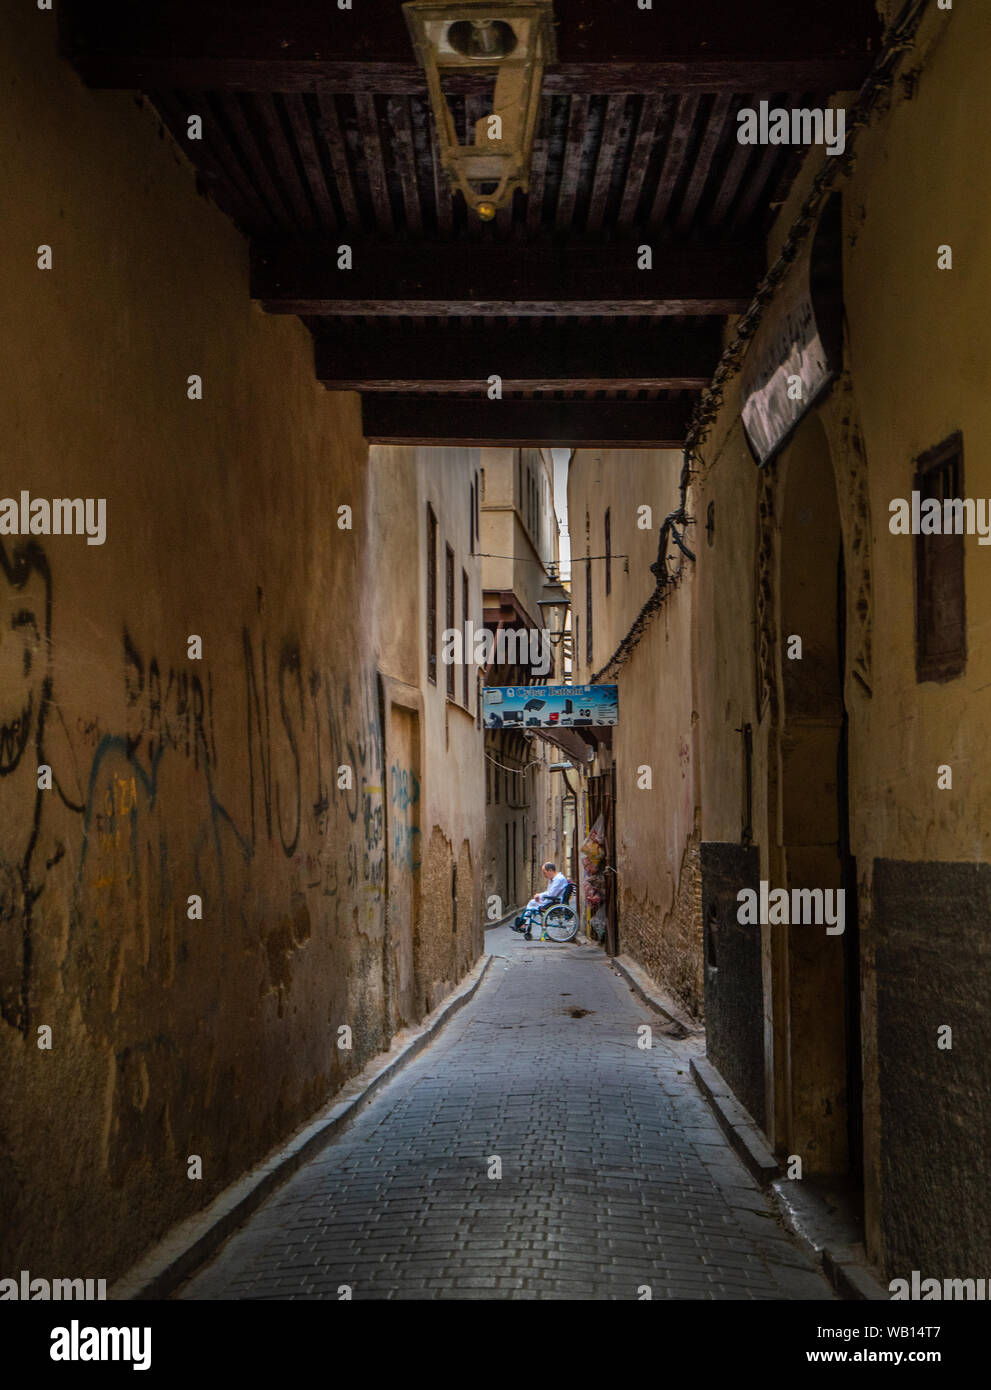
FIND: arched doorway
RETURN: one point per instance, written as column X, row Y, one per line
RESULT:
column 817, row 1010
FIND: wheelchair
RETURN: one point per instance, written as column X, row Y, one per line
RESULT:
column 558, row 921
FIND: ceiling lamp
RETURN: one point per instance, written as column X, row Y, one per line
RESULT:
column 511, row 40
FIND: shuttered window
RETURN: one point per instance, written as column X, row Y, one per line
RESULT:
column 940, row 606
column 608, row 531
column 431, row 595
column 588, row 611
column 449, row 611
column 464, row 621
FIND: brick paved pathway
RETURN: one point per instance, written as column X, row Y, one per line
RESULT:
column 614, row 1174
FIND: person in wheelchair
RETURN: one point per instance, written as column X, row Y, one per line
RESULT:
column 554, row 893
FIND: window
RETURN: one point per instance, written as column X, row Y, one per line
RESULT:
column 471, row 518
column 608, row 529
column 466, row 667
column 431, row 595
column 588, row 610
column 449, row 612
column 940, row 607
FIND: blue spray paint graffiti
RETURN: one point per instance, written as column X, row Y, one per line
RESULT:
column 404, row 794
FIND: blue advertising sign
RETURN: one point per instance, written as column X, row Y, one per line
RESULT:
column 549, row 706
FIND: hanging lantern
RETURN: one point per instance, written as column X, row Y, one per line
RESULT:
column 511, row 41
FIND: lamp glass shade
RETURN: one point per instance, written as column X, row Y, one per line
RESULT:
column 509, row 40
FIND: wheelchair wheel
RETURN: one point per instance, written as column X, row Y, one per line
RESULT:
column 561, row 922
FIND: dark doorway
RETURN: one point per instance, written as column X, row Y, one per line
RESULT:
column 817, row 1020
column 602, row 802
column 851, row 937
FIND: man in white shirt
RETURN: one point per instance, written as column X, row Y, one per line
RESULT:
column 553, row 893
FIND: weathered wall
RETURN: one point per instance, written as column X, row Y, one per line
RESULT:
column 926, row 982
column 908, row 729
column 895, row 399
column 657, row 841
column 174, row 1036
column 510, row 783
column 734, row 1039
column 438, row 813
column 657, row 834
column 514, row 551
column 535, row 807
column 514, row 560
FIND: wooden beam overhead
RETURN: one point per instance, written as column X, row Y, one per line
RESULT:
column 371, row 145
column 611, row 137
column 666, row 357
column 652, row 113
column 231, row 105
column 218, row 164
column 329, row 127
column 310, row 156
column 603, row 46
column 402, row 79
column 674, row 157
column 451, row 420
column 302, row 277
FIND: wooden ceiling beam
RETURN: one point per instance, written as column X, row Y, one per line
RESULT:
column 603, row 46
column 310, row 156
column 650, row 128
column 302, row 277
column 674, row 158
column 668, row 357
column 329, row 128
column 447, row 420
column 217, row 164
column 612, row 134
column 156, row 73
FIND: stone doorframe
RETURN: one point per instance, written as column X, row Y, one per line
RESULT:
column 397, row 695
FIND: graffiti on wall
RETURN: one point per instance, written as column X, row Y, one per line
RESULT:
column 160, row 790
column 404, row 795
column 25, row 689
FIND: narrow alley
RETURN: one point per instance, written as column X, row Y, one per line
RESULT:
column 495, row 572
column 616, row 1181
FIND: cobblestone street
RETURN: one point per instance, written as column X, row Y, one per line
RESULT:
column 614, row 1174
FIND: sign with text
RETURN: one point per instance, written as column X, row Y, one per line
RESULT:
column 549, row 706
column 797, row 348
